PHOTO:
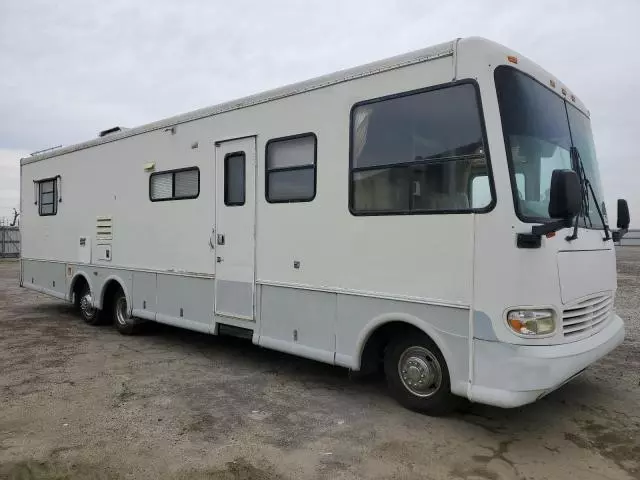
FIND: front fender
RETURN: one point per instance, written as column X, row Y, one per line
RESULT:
column 381, row 320
column 454, row 348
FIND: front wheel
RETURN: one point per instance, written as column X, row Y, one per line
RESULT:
column 418, row 376
column 124, row 323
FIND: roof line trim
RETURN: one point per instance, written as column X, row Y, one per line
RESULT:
column 399, row 61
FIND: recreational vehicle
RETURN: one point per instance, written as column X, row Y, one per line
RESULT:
column 437, row 216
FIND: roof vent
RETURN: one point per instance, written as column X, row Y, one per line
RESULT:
column 111, row 131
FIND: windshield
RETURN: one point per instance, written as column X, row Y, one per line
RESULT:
column 539, row 129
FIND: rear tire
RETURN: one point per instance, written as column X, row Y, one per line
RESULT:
column 88, row 312
column 124, row 323
column 418, row 376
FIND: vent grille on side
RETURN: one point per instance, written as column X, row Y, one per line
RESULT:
column 104, row 228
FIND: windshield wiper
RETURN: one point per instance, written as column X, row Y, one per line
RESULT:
column 587, row 188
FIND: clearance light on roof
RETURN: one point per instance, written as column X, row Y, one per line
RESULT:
column 573, row 98
column 512, row 59
column 564, row 91
column 552, row 83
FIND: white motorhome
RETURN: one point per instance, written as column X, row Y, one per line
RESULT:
column 417, row 214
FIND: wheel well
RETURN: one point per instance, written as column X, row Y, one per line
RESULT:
column 373, row 351
column 79, row 284
column 110, row 291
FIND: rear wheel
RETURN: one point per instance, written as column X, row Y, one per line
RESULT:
column 418, row 376
column 125, row 323
column 88, row 312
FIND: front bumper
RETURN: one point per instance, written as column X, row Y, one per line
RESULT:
column 508, row 375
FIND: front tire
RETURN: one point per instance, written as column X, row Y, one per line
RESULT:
column 418, row 376
column 124, row 323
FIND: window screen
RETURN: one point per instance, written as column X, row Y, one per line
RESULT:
column 174, row 184
column 186, row 183
column 48, row 197
column 416, row 153
column 291, row 169
column 234, row 179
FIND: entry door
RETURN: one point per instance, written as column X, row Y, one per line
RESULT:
column 234, row 233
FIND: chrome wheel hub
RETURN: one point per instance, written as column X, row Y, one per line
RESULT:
column 86, row 306
column 121, row 311
column 420, row 371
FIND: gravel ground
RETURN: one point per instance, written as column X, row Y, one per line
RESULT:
column 85, row 402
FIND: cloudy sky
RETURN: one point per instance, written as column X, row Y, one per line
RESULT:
column 69, row 69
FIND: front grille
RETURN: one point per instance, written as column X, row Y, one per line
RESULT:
column 587, row 316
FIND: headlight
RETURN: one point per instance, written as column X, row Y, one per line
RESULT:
column 531, row 323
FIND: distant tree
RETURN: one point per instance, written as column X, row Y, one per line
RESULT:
column 15, row 217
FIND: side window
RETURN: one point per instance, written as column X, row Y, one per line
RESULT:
column 520, row 184
column 47, row 196
column 179, row 184
column 234, row 179
column 291, row 169
column 417, row 153
column 480, row 192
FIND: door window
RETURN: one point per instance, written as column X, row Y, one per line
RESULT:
column 234, row 179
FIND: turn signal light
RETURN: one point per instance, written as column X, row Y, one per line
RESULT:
column 531, row 323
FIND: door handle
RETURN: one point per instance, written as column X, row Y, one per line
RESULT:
column 211, row 245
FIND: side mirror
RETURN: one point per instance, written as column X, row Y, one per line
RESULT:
column 623, row 215
column 565, row 195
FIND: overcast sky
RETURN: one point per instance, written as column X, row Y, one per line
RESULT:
column 69, row 69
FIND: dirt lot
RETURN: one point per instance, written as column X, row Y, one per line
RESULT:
column 85, row 402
